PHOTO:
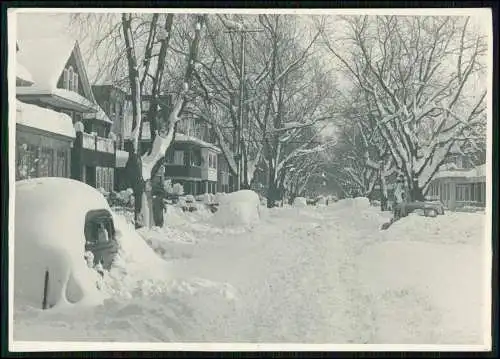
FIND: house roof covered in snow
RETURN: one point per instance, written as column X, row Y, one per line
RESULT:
column 44, row 119
column 478, row 172
column 46, row 58
column 68, row 97
column 180, row 137
column 99, row 115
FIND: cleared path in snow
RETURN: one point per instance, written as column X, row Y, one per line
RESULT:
column 294, row 278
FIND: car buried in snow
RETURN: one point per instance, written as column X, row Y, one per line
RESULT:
column 59, row 224
column 428, row 208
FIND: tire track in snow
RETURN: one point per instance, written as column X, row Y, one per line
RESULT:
column 296, row 287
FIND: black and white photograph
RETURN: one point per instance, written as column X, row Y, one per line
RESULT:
column 250, row 179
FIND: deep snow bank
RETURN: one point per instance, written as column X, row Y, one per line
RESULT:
column 241, row 208
column 136, row 261
column 358, row 203
column 426, row 280
column 49, row 237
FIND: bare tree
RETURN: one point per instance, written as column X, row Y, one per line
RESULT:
column 141, row 42
column 419, row 75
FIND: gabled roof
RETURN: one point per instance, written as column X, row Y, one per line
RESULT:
column 478, row 172
column 45, row 59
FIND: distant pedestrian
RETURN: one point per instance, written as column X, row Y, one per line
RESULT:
column 400, row 198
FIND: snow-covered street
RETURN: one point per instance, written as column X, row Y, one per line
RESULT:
column 318, row 274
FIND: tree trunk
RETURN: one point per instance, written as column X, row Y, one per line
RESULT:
column 134, row 164
column 272, row 190
column 416, row 193
column 384, row 198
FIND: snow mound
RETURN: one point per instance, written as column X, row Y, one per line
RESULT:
column 168, row 242
column 219, row 197
column 358, row 203
column 451, row 228
column 422, row 276
column 321, row 201
column 136, row 260
column 299, row 202
column 49, row 238
column 238, row 208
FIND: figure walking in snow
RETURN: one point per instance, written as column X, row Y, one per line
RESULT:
column 400, row 198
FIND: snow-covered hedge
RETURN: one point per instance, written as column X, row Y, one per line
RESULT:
column 238, row 208
column 300, row 202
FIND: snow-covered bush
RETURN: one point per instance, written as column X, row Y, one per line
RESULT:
column 49, row 238
column 189, row 198
column 238, row 208
column 175, row 189
column 300, row 202
column 321, row 200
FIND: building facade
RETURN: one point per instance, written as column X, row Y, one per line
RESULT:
column 458, row 187
column 59, row 88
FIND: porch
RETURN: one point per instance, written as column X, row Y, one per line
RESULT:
column 93, row 160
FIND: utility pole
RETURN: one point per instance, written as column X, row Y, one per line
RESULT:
column 238, row 28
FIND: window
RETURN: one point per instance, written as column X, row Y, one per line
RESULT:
column 65, row 79
column 46, row 162
column 75, row 82
column 70, row 78
column 212, row 160
column 479, row 195
column 105, row 178
column 187, row 158
column 61, row 163
column 26, row 161
column 196, row 158
column 463, row 193
column 179, row 157
column 169, row 158
column 98, row 177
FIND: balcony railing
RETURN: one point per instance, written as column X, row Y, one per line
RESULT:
column 105, row 145
column 96, row 143
column 88, row 141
